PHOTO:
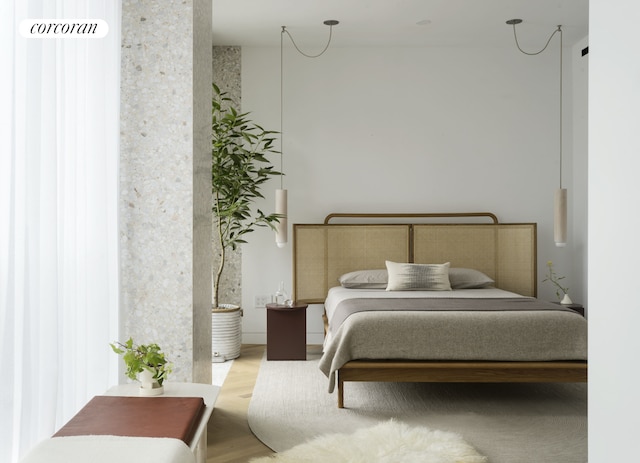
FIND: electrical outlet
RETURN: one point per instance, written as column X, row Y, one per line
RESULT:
column 262, row 301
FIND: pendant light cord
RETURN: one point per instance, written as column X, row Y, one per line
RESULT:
column 281, row 106
column 559, row 29
column 330, row 23
column 326, row 47
column 536, row 52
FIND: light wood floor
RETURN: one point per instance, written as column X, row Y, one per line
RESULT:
column 229, row 438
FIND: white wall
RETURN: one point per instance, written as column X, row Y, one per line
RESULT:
column 578, row 169
column 614, row 248
column 409, row 130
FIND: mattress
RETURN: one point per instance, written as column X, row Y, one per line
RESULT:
column 518, row 329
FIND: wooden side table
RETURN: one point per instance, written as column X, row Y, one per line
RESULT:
column 287, row 332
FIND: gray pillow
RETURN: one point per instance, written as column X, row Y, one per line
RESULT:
column 367, row 279
column 418, row 277
column 468, row 278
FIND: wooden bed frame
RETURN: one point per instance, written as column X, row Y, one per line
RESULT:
column 505, row 252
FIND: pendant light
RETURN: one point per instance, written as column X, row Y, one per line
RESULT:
column 281, row 193
column 560, row 196
column 560, row 199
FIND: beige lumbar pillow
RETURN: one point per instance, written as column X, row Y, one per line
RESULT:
column 418, row 277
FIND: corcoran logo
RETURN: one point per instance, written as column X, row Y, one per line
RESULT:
column 64, row 28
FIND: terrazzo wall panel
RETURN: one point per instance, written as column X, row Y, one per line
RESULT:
column 226, row 75
column 165, row 208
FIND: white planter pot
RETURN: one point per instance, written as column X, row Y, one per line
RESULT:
column 149, row 386
column 226, row 332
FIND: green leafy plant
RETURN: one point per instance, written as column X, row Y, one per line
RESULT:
column 555, row 280
column 143, row 357
column 239, row 169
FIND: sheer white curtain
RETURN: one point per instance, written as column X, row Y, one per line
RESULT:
column 59, row 132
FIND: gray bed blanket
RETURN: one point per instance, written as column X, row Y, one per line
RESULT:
column 539, row 334
column 348, row 307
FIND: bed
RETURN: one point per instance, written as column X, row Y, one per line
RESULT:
column 496, row 331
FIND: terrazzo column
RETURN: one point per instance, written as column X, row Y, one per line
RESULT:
column 165, row 181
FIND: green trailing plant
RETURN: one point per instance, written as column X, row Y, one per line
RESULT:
column 555, row 280
column 143, row 357
column 239, row 170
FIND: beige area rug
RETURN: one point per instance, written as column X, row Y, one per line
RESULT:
column 387, row 442
column 509, row 423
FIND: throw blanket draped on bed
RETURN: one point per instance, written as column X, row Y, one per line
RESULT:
column 350, row 306
column 531, row 332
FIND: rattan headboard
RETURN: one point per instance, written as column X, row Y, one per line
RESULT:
column 323, row 252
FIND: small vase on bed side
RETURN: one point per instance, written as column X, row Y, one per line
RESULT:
column 566, row 300
column 555, row 280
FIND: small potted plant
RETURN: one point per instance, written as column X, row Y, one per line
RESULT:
column 145, row 363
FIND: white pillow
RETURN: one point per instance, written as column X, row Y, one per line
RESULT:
column 468, row 278
column 370, row 279
column 418, row 277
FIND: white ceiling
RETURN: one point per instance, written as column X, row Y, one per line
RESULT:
column 395, row 22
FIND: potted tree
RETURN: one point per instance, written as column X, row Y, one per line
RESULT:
column 145, row 363
column 239, row 169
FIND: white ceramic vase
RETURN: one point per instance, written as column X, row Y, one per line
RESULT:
column 566, row 300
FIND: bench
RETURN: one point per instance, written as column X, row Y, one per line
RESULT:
column 173, row 426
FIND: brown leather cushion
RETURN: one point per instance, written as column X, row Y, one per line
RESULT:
column 175, row 417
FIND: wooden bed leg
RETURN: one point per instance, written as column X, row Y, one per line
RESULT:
column 340, row 391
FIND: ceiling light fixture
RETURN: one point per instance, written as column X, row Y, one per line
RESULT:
column 560, row 197
column 281, row 193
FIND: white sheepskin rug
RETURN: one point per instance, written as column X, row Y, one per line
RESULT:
column 388, row 442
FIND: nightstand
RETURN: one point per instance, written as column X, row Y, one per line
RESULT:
column 287, row 332
column 577, row 307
